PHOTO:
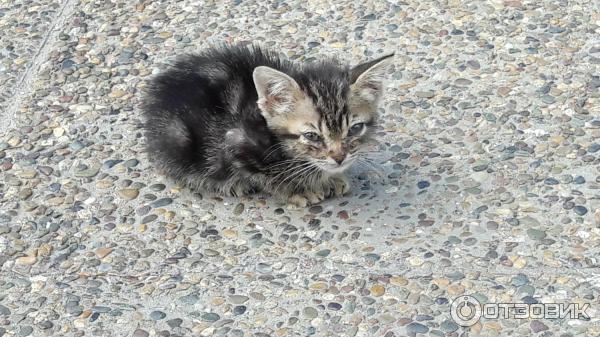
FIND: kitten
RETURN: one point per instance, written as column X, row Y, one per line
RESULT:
column 236, row 120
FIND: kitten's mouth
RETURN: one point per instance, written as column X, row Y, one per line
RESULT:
column 335, row 168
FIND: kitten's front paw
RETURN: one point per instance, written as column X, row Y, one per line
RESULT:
column 339, row 186
column 305, row 198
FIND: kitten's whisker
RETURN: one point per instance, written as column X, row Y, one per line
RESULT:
column 364, row 156
column 300, row 169
column 365, row 153
column 376, row 166
column 315, row 176
column 272, row 149
column 288, row 170
column 370, row 166
column 308, row 174
column 310, row 177
column 300, row 173
column 285, row 162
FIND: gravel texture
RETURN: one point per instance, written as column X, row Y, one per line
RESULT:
column 487, row 181
column 23, row 25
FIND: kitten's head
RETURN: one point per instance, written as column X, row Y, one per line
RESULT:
column 325, row 115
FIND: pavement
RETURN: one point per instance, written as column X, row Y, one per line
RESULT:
column 485, row 189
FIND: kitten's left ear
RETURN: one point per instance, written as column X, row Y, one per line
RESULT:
column 276, row 91
column 367, row 79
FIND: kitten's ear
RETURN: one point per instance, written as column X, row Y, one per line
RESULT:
column 276, row 90
column 367, row 79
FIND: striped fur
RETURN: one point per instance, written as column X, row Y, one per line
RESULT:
column 234, row 120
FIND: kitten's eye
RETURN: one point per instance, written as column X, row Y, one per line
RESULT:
column 356, row 129
column 312, row 136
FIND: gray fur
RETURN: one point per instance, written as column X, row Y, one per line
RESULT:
column 236, row 120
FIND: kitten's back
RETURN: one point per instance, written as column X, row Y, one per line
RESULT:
column 190, row 107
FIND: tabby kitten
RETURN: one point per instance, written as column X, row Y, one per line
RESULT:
column 236, row 120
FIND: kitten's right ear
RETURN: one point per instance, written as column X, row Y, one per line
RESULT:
column 367, row 80
column 276, row 90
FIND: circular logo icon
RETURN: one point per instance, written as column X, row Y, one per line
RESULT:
column 465, row 310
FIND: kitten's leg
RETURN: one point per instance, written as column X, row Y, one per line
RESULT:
column 339, row 185
column 306, row 192
column 333, row 186
column 295, row 196
column 238, row 188
column 305, row 198
column 297, row 201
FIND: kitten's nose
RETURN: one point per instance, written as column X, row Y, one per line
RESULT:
column 339, row 157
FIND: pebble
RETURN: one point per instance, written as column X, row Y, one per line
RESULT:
column 210, row 317
column 580, row 210
column 529, row 221
column 473, row 64
column 551, row 181
column 104, row 184
column 174, row 323
column 448, row 326
column 161, row 202
column 425, row 94
column 140, row 333
column 416, row 328
column 25, row 193
column 343, row 215
column 238, row 299
column 4, row 311
column 310, row 312
column 536, row 234
column 239, row 310
column 334, row 306
column 45, row 325
column 25, row 330
column 423, row 184
column 87, row 172
column 131, row 163
column 239, row 209
column 415, row 261
column 26, row 260
column 189, row 299
column 111, row 163
column 480, row 166
column 377, row 290
column 103, row 252
column 157, row 315
column 129, row 193
column 157, row 187
column 100, row 309
column 537, row 326
column 519, row 280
